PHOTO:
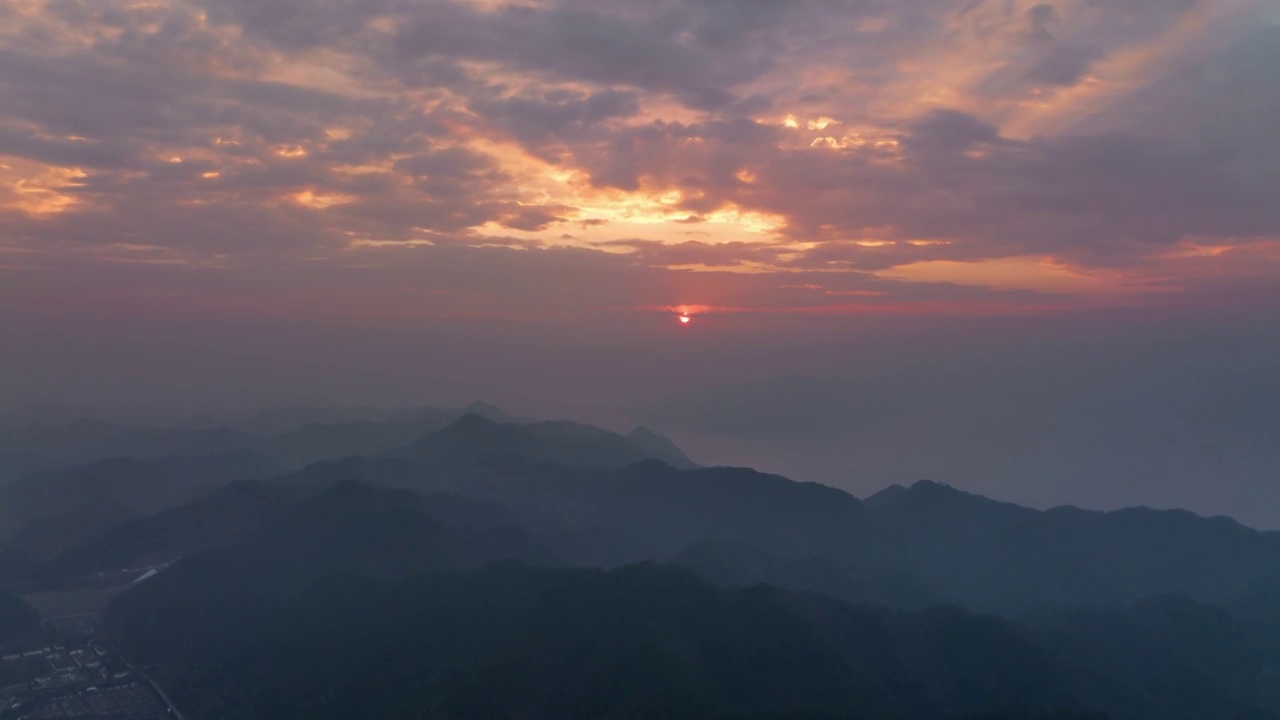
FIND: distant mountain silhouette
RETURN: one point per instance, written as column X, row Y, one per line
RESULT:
column 85, row 441
column 673, row 508
column 243, row 509
column 663, row 508
column 144, row 486
column 1000, row 556
column 565, row 443
column 886, row 497
column 1108, row 611
column 981, row 553
column 350, row 528
column 490, row 411
column 1147, row 615
column 221, row 518
column 293, row 437
column 315, row 442
column 54, row 511
column 659, row 447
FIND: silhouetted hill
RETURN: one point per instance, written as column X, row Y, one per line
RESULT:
column 589, row 517
column 638, row 642
column 652, row 641
column 1118, row 556
column 144, row 486
column 885, row 498
column 659, row 447
column 490, row 411
column 1180, row 659
column 237, row 511
column 17, row 618
column 740, row 565
column 995, row 555
column 25, row 451
column 349, row 527
column 982, row 553
column 312, row 443
column 221, row 518
column 319, row 441
column 385, row 472
column 573, row 487
column 945, row 508
column 85, row 442
column 242, row 602
column 675, row 508
column 664, row 508
column 240, row 510
column 54, row 448
column 55, row 511
column 317, row 435
column 42, row 538
column 565, row 443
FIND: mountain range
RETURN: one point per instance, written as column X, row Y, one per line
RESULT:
column 631, row 582
column 570, row 482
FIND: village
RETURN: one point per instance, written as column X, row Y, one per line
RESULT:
column 66, row 671
column 88, row 681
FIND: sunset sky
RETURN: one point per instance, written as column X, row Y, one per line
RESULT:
column 367, row 199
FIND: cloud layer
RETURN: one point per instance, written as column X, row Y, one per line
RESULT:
column 807, row 156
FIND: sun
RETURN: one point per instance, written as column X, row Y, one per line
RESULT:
column 684, row 319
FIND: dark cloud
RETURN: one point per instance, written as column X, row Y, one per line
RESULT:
column 1063, row 66
column 948, row 131
column 578, row 44
column 947, row 175
column 1144, row 7
column 557, row 123
column 301, row 24
column 1040, row 21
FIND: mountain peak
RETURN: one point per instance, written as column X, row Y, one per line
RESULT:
column 486, row 410
column 931, row 492
column 659, row 446
column 918, row 489
column 933, row 486
column 471, row 422
column 885, row 496
column 933, row 496
column 642, row 431
column 562, row 442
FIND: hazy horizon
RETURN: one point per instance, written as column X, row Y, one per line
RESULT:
column 1099, row 413
column 1028, row 248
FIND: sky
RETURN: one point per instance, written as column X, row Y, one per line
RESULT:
column 220, row 203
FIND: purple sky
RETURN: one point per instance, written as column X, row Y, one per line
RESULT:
column 227, row 203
